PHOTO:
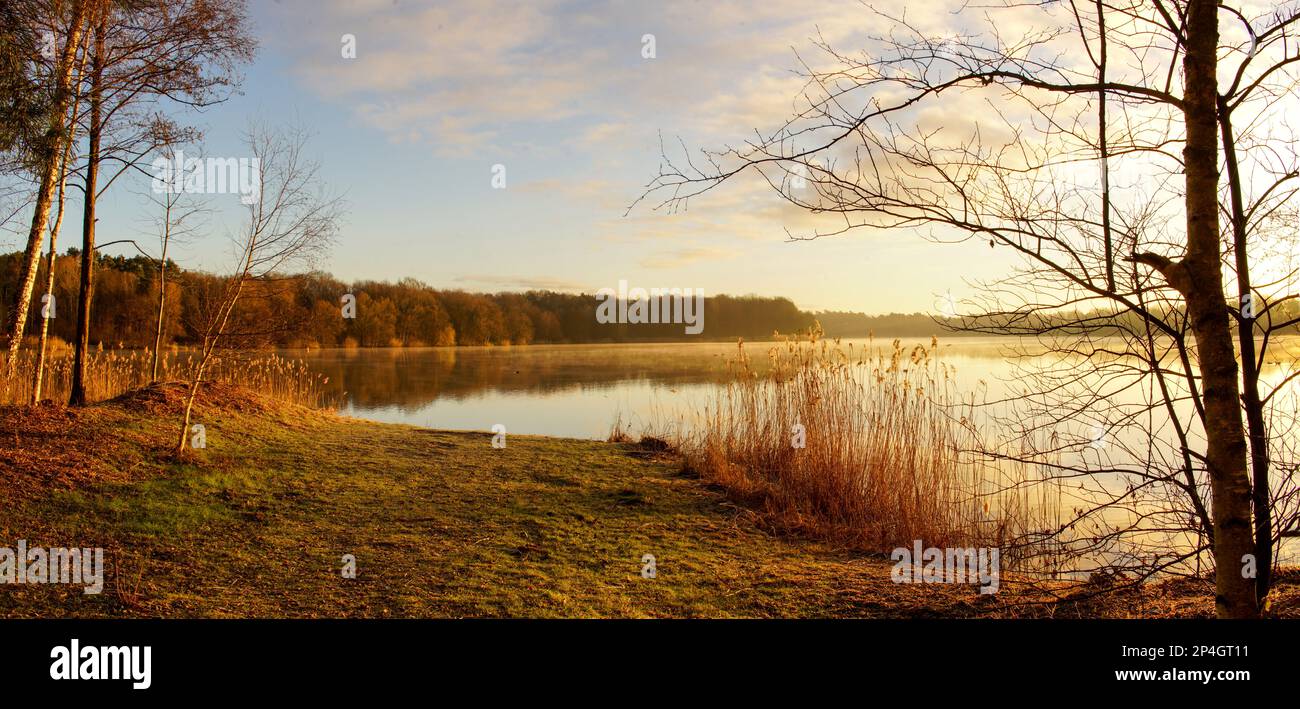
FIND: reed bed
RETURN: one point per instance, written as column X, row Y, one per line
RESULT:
column 113, row 372
column 882, row 461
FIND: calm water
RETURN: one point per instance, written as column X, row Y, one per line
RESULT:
column 577, row 391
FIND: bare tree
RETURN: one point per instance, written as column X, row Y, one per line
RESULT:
column 145, row 55
column 176, row 221
column 1134, row 306
column 289, row 223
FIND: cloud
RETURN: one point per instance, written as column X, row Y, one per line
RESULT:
column 521, row 283
column 684, row 257
column 465, row 72
column 453, row 76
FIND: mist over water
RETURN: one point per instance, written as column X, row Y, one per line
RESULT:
column 575, row 391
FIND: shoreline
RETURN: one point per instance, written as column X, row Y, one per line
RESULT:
column 439, row 524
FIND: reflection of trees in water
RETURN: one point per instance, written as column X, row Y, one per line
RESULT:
column 408, row 378
column 384, row 377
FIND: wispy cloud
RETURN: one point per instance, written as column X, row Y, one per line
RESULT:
column 500, row 282
column 683, row 257
column 466, row 72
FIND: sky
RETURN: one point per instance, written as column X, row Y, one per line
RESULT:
column 562, row 95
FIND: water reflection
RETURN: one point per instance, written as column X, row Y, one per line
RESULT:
column 558, row 390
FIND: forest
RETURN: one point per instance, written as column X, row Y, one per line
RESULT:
column 308, row 310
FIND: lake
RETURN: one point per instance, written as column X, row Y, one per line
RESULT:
column 576, row 391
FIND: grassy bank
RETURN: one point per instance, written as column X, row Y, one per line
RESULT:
column 441, row 525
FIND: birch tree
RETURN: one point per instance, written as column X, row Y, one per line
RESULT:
column 63, row 26
column 290, row 221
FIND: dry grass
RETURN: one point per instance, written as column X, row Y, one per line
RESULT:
column 110, row 373
column 880, row 465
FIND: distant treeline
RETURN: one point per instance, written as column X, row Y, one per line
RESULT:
column 843, row 324
column 307, row 311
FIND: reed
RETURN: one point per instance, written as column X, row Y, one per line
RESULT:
column 113, row 372
column 881, row 462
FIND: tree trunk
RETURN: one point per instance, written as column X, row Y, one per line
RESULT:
column 78, row 394
column 1104, row 148
column 1201, row 281
column 211, row 338
column 162, row 294
column 38, row 376
column 1256, row 428
column 191, row 396
column 50, row 166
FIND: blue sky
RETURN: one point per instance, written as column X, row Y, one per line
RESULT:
column 560, row 94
